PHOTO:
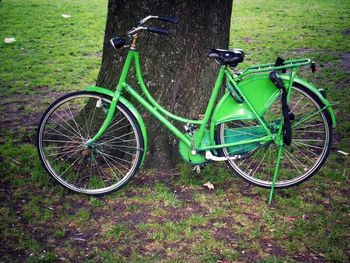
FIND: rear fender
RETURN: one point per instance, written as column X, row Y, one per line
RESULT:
column 258, row 90
column 133, row 110
column 261, row 93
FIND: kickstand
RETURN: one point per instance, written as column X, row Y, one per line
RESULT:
column 275, row 173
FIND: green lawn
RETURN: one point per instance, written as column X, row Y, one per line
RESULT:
column 166, row 217
column 62, row 53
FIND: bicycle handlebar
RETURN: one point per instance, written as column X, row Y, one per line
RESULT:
column 119, row 42
column 153, row 29
column 158, row 30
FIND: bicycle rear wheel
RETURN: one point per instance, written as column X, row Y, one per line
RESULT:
column 311, row 142
column 104, row 167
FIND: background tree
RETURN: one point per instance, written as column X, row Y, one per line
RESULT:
column 175, row 67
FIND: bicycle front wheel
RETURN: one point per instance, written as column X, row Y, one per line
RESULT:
column 104, row 167
column 311, row 142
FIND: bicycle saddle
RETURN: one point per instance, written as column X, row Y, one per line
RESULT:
column 229, row 57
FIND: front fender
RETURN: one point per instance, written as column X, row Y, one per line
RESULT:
column 133, row 110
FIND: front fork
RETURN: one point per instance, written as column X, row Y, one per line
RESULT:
column 108, row 119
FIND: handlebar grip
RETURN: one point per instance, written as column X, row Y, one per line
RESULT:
column 158, row 30
column 171, row 19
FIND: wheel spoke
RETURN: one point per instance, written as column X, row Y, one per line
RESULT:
column 77, row 133
column 58, row 133
column 65, row 128
column 307, row 140
column 99, row 170
column 310, row 145
column 47, row 140
column 62, row 146
column 92, row 118
column 297, row 104
column 115, row 158
column 76, row 124
column 260, row 162
column 128, row 153
column 108, row 163
column 118, row 146
column 303, row 147
column 292, row 163
column 63, row 152
column 114, row 124
column 300, row 150
column 71, row 155
column 70, row 166
column 118, row 138
column 86, row 125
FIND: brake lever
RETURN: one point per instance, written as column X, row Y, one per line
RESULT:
column 144, row 20
column 134, row 30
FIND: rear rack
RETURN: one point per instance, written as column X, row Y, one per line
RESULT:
column 293, row 63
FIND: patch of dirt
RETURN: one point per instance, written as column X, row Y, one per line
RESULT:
column 304, row 50
column 151, row 178
column 248, row 40
column 308, row 256
column 224, row 231
column 346, row 61
column 22, row 113
column 176, row 215
column 272, row 248
column 248, row 256
column 253, row 216
column 246, row 189
column 347, row 32
column 300, row 52
column 184, row 194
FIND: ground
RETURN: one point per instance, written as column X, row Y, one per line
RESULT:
column 166, row 216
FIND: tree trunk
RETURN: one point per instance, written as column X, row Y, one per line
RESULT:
column 175, row 68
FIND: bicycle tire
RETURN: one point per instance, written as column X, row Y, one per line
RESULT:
column 101, row 169
column 289, row 161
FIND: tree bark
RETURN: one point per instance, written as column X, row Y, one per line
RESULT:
column 175, row 68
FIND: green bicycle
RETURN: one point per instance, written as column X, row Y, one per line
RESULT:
column 272, row 127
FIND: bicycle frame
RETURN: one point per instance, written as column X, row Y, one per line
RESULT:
column 199, row 142
column 159, row 112
column 252, row 110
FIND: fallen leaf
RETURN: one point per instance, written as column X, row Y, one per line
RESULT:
column 209, row 185
column 9, row 40
column 343, row 153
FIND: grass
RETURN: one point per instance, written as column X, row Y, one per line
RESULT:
column 161, row 217
column 63, row 54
